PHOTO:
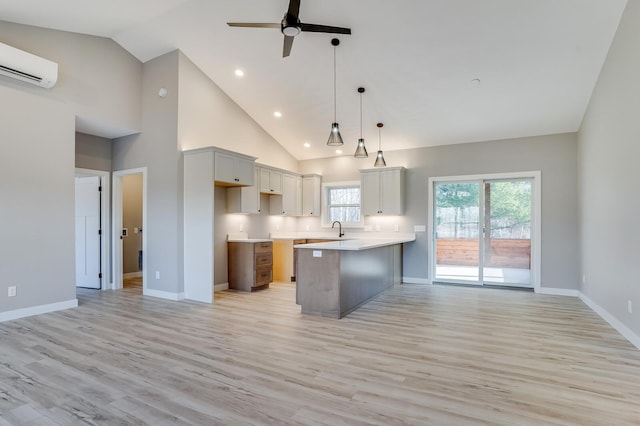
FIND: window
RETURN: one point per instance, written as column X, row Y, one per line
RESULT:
column 342, row 202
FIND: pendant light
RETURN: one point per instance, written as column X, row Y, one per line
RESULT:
column 361, row 150
column 335, row 139
column 379, row 157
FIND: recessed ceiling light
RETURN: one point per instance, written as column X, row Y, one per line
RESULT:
column 475, row 82
column 277, row 114
column 338, row 151
column 239, row 73
column 307, row 145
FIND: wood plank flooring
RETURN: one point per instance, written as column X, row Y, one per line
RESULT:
column 418, row 355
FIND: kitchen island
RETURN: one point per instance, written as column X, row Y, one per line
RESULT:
column 335, row 278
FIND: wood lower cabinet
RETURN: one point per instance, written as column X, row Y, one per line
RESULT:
column 250, row 265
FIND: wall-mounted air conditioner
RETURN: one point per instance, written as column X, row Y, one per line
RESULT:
column 24, row 66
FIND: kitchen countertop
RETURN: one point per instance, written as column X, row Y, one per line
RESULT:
column 359, row 244
column 249, row 240
column 349, row 235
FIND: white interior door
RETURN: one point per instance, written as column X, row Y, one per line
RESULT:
column 88, row 273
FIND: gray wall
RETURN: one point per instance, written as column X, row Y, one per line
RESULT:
column 93, row 152
column 156, row 148
column 98, row 80
column 36, row 201
column 554, row 156
column 131, row 219
column 609, row 148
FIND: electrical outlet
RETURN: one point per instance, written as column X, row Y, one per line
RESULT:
column 367, row 228
column 420, row 228
column 629, row 306
column 307, row 227
column 396, row 228
column 157, row 275
column 12, row 291
column 241, row 227
column 584, row 280
column 378, row 228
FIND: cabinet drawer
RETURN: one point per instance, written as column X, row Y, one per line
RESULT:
column 264, row 247
column 263, row 259
column 263, row 276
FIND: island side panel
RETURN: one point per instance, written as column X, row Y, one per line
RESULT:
column 363, row 275
column 318, row 282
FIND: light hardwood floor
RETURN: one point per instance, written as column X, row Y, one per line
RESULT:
column 415, row 355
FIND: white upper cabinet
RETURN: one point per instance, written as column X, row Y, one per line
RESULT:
column 245, row 199
column 382, row 191
column 311, row 195
column 233, row 169
column 270, row 181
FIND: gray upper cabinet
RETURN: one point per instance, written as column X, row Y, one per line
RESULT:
column 382, row 191
column 270, row 181
column 244, row 199
column 233, row 169
column 311, row 195
column 286, row 203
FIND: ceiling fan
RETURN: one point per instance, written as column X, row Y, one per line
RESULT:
column 290, row 26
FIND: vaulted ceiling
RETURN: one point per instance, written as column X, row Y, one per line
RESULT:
column 435, row 71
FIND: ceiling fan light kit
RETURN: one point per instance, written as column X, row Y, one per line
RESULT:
column 290, row 26
column 361, row 150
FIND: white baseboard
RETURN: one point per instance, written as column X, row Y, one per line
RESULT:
column 163, row 294
column 613, row 322
column 132, row 275
column 37, row 310
column 558, row 291
column 412, row 280
column 221, row 287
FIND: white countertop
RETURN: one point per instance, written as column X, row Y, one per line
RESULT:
column 360, row 244
column 349, row 235
column 249, row 240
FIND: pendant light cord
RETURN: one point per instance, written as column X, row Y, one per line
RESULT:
column 335, row 102
column 360, row 115
column 379, row 138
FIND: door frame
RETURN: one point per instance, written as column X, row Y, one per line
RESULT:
column 117, row 227
column 536, row 219
column 105, row 222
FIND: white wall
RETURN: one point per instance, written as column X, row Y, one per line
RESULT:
column 609, row 149
column 554, row 156
column 36, row 201
column 208, row 117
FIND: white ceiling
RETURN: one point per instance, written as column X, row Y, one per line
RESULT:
column 537, row 61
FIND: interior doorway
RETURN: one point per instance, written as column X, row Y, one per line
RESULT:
column 484, row 230
column 91, row 227
column 129, row 224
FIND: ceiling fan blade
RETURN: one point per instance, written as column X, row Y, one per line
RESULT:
column 253, row 25
column 294, row 8
column 324, row 29
column 286, row 48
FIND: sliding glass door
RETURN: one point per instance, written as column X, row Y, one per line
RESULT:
column 507, row 232
column 482, row 232
column 457, row 232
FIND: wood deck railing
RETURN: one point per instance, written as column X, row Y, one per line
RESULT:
column 504, row 253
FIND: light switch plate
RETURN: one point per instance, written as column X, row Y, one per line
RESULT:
column 317, row 253
column 420, row 228
column 12, row 291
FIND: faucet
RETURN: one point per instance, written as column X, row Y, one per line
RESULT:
column 340, row 233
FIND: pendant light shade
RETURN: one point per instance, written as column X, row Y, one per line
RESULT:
column 361, row 150
column 335, row 139
column 380, row 157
